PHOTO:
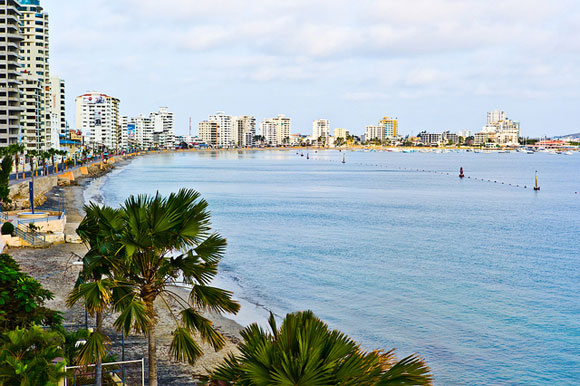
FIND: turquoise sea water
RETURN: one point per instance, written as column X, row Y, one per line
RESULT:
column 481, row 279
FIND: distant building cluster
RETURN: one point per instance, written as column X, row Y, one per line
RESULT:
column 98, row 118
column 386, row 129
column 499, row 130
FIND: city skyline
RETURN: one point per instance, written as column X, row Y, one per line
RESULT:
column 439, row 69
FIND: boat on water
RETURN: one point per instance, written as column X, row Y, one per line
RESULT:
column 569, row 152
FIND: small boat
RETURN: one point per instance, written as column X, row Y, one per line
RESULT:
column 536, row 188
column 568, row 153
column 461, row 175
column 307, row 156
column 343, row 159
column 530, row 152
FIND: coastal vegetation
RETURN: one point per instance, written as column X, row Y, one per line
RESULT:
column 304, row 351
column 142, row 251
column 27, row 351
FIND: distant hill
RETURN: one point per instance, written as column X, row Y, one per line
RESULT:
column 576, row 135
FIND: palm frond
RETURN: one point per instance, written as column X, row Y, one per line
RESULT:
column 133, row 315
column 409, row 371
column 95, row 348
column 194, row 321
column 183, row 347
column 213, row 299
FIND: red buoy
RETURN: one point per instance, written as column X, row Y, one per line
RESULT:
column 461, row 175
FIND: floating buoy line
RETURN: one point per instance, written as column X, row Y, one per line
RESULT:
column 462, row 175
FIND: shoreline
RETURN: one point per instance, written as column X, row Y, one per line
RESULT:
column 53, row 268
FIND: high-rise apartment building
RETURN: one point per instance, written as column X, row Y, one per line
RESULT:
column 143, row 131
column 35, row 76
column 10, row 100
column 123, row 133
column 208, row 132
column 245, row 130
column 373, row 132
column 321, row 128
column 269, row 132
column 390, row 127
column 225, row 129
column 276, row 130
column 496, row 116
column 57, row 111
column 163, row 131
column 97, row 116
column 341, row 133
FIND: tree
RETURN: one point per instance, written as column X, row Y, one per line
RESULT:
column 94, row 286
column 154, row 242
column 304, row 351
column 5, row 171
column 28, row 356
column 16, row 149
column 22, row 299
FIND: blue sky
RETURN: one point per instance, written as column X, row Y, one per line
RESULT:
column 433, row 64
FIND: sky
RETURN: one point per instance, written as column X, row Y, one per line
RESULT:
column 433, row 64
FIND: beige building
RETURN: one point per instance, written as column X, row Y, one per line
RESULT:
column 341, row 133
column 244, row 130
column 276, row 130
column 208, row 132
column 35, row 76
column 10, row 100
column 97, row 116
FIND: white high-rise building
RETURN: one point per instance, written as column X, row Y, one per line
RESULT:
column 143, row 131
column 496, row 116
column 57, row 111
column 35, row 76
column 320, row 129
column 276, row 131
column 123, row 134
column 269, row 132
column 245, row 130
column 97, row 116
column 11, row 102
column 374, row 132
column 225, row 129
column 163, row 130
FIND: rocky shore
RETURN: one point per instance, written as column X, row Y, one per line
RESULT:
column 54, row 268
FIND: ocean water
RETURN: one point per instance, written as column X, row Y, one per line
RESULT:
column 480, row 278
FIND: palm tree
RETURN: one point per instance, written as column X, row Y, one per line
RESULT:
column 27, row 356
column 15, row 149
column 304, row 351
column 94, row 286
column 62, row 153
column 156, row 243
column 52, row 155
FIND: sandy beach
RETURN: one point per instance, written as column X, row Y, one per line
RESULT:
column 54, row 268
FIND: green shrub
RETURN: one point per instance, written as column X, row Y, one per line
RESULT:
column 7, row 228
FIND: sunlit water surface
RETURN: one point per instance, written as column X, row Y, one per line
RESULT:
column 480, row 278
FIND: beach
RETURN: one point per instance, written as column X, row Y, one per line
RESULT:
column 53, row 267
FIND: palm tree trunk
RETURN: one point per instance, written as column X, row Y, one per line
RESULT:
column 152, row 348
column 99, row 361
